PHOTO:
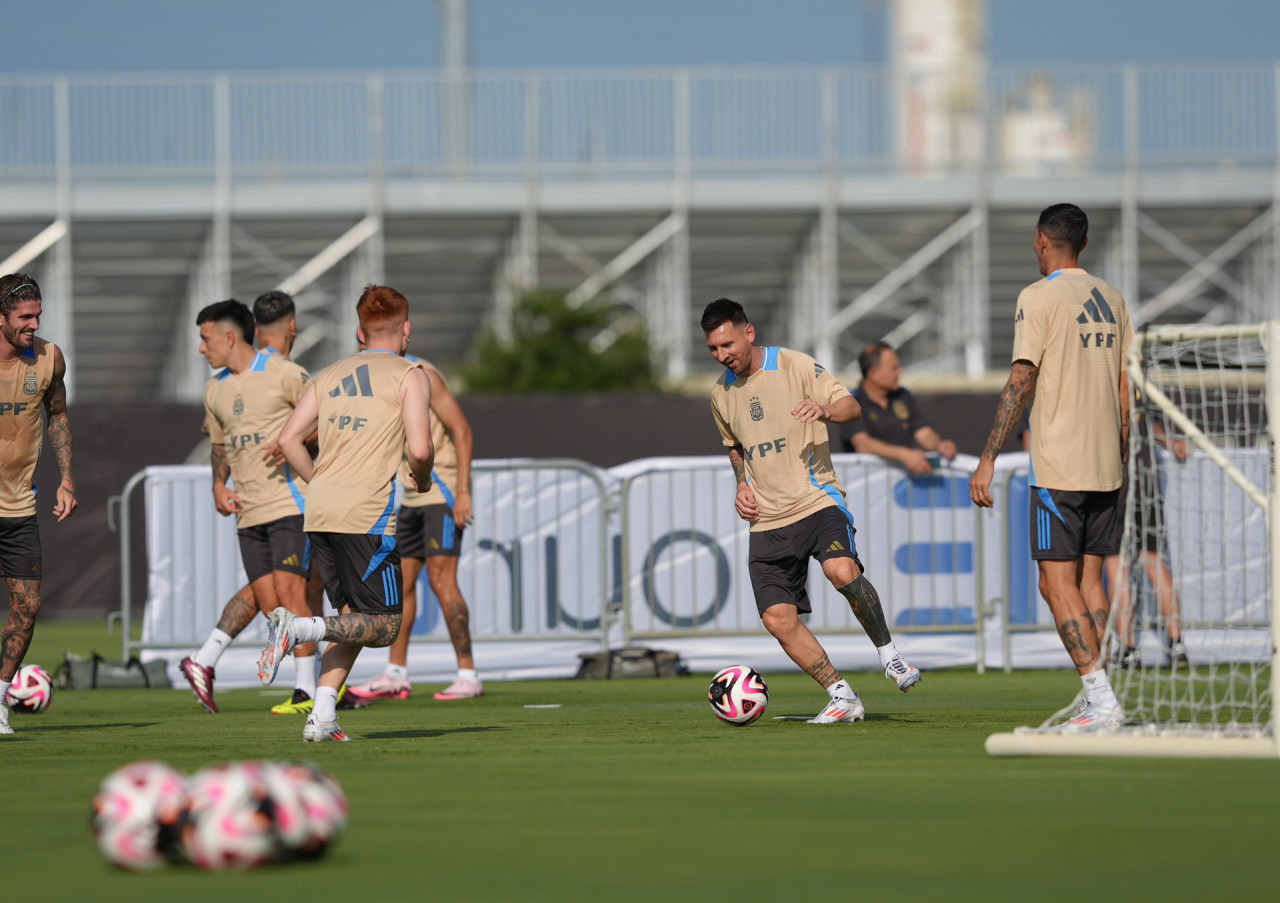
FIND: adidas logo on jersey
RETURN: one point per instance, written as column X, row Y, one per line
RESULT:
column 355, row 384
column 1096, row 310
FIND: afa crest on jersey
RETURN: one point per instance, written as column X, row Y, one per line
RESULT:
column 757, row 409
column 30, row 385
column 237, row 406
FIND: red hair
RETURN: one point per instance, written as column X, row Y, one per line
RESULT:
column 381, row 308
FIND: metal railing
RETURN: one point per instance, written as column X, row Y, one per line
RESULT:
column 590, row 123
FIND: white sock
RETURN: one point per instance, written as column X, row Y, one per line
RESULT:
column 1097, row 689
column 326, row 704
column 468, row 674
column 309, row 630
column 305, row 679
column 4, row 690
column 886, row 653
column 398, row 673
column 841, row 690
column 213, row 648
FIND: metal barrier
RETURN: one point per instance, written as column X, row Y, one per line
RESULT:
column 537, row 568
column 684, row 552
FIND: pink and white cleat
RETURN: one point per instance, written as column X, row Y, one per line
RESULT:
column 201, row 680
column 462, row 688
column 381, row 687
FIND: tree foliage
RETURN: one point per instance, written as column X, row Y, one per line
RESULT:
column 551, row 351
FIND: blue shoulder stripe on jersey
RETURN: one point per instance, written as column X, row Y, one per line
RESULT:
column 444, row 489
column 259, row 363
column 385, row 549
column 225, row 374
column 770, row 358
column 381, row 525
column 376, row 351
column 729, row 377
column 298, row 498
column 28, row 352
column 1052, row 276
column 413, row 358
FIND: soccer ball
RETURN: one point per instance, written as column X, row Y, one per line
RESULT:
column 738, row 695
column 229, row 824
column 31, row 690
column 308, row 806
column 138, row 813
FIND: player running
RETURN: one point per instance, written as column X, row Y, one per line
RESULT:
column 1071, row 334
column 32, row 393
column 371, row 409
column 771, row 406
column 429, row 528
column 246, row 404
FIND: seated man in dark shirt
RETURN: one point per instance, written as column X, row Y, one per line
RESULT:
column 892, row 424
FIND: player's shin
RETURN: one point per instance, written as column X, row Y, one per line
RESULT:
column 865, row 602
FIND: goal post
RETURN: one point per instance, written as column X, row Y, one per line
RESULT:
column 1192, row 640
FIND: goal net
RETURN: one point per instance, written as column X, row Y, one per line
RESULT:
column 1191, row 640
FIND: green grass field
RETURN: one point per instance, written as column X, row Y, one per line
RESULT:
column 632, row 790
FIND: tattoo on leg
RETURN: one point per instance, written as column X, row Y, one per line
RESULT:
column 1099, row 620
column 457, row 619
column 865, row 602
column 1074, row 642
column 360, row 629
column 823, row 672
column 237, row 613
column 24, row 605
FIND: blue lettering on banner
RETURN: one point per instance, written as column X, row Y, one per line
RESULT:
column 708, row 613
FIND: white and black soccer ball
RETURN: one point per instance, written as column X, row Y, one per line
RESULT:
column 309, row 809
column 31, row 690
column 137, row 815
column 738, row 695
column 230, row 823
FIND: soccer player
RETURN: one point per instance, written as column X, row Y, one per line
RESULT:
column 32, row 392
column 892, row 425
column 1071, row 333
column 246, row 404
column 771, row 406
column 429, row 528
column 371, row 409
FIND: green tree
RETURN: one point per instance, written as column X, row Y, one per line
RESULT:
column 551, row 350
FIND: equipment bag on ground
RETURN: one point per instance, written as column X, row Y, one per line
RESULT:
column 631, row 661
column 80, row 673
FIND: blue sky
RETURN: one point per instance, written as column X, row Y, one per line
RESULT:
column 44, row 36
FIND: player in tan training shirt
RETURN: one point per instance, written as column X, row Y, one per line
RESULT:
column 1071, row 334
column 275, row 328
column 371, row 409
column 771, row 407
column 429, row 528
column 33, row 398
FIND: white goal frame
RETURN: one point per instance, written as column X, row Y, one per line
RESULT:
column 1169, row 744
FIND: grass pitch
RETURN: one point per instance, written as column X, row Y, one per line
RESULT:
column 632, row 790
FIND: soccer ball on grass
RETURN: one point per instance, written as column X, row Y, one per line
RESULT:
column 31, row 690
column 138, row 813
column 738, row 695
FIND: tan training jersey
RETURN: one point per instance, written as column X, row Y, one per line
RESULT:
column 361, row 445
column 444, row 472
column 1075, row 328
column 245, row 412
column 788, row 462
column 23, row 384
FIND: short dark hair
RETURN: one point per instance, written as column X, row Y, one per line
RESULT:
column 870, row 356
column 16, row 288
column 1064, row 224
column 272, row 306
column 721, row 311
column 229, row 311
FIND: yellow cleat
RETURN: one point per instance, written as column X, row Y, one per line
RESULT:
column 301, row 704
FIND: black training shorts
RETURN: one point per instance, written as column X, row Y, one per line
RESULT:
column 359, row 570
column 20, row 554
column 778, row 560
column 1067, row 525
column 426, row 531
column 279, row 545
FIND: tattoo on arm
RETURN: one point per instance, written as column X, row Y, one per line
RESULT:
column 1014, row 399
column 55, row 405
column 218, row 458
column 823, row 672
column 739, row 463
column 865, row 602
column 24, row 605
column 360, row 629
column 238, row 612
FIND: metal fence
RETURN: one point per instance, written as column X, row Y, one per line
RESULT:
column 591, row 122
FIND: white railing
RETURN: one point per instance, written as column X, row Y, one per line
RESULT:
column 582, row 124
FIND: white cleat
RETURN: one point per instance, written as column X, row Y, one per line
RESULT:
column 901, row 673
column 318, row 731
column 1093, row 719
column 281, row 638
column 4, row 719
column 462, row 688
column 841, row 711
